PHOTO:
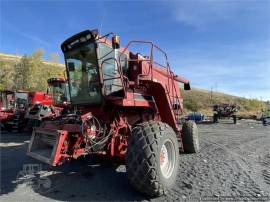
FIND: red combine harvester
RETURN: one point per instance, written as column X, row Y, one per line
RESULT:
column 126, row 106
column 58, row 89
column 6, row 106
column 23, row 101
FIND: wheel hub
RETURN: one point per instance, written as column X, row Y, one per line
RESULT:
column 163, row 156
column 167, row 158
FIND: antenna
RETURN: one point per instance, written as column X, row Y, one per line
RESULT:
column 102, row 20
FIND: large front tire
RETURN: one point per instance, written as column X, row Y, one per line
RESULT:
column 152, row 158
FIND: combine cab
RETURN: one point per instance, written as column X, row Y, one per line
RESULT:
column 225, row 111
column 127, row 106
column 58, row 87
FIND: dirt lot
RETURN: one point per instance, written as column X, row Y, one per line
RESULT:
column 233, row 164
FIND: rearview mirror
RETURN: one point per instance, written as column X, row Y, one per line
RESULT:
column 187, row 86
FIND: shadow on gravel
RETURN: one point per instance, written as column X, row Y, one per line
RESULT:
column 14, row 137
column 83, row 179
column 13, row 149
column 90, row 179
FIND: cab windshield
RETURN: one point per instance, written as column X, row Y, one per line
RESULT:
column 21, row 100
column 83, row 75
column 59, row 91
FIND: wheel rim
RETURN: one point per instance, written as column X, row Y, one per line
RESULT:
column 167, row 158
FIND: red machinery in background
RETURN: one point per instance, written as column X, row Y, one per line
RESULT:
column 22, row 102
column 58, row 89
column 127, row 105
column 6, row 106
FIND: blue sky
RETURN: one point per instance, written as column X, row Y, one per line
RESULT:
column 213, row 43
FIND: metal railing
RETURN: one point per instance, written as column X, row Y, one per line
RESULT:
column 172, row 96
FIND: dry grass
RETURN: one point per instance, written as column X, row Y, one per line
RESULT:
column 202, row 101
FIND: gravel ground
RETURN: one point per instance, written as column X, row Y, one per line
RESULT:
column 233, row 165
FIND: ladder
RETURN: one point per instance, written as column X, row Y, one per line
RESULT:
column 174, row 99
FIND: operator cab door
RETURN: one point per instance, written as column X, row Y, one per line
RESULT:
column 112, row 81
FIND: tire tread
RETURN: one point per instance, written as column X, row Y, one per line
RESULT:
column 141, row 158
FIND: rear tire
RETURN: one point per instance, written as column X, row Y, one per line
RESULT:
column 152, row 158
column 190, row 137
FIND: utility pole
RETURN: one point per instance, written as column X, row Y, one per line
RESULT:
column 211, row 94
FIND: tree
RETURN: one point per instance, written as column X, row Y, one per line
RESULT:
column 38, row 54
column 36, row 68
column 6, row 76
column 22, row 73
column 29, row 73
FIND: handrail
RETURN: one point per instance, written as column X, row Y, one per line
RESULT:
column 151, row 60
column 151, row 56
column 171, row 88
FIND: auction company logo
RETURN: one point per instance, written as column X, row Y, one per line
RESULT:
column 32, row 175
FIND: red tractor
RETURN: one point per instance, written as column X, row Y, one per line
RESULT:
column 127, row 106
column 58, row 90
column 23, row 101
column 16, row 104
